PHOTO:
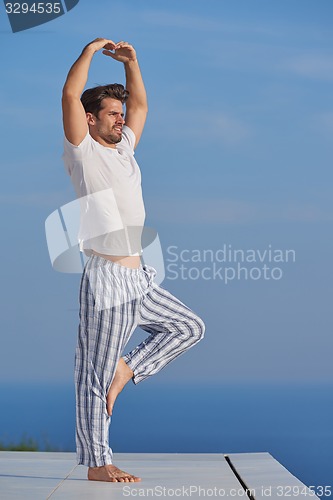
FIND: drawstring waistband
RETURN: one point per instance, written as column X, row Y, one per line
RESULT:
column 146, row 271
column 150, row 272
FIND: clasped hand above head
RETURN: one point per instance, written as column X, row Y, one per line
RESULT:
column 121, row 51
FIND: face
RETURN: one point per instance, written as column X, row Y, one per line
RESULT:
column 107, row 127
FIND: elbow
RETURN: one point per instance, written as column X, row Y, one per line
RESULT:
column 69, row 96
column 68, row 93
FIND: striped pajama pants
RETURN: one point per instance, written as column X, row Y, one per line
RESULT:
column 114, row 300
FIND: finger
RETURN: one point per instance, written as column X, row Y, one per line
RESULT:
column 103, row 40
column 108, row 53
column 110, row 45
column 123, row 44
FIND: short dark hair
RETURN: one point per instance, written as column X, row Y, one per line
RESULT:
column 92, row 98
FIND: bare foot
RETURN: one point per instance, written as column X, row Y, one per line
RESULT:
column 111, row 474
column 122, row 376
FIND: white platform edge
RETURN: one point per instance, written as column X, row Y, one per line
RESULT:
column 55, row 476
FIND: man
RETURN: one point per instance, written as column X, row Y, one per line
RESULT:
column 117, row 292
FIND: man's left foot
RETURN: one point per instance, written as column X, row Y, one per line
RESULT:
column 122, row 376
column 111, row 474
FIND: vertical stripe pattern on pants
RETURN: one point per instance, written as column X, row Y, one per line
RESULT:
column 114, row 300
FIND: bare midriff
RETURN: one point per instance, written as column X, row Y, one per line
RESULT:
column 132, row 261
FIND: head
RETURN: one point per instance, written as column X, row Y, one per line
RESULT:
column 104, row 110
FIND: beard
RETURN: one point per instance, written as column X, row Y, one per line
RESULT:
column 112, row 138
column 109, row 136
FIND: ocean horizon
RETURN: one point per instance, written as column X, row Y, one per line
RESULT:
column 291, row 421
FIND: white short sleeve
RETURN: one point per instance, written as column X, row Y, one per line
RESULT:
column 73, row 154
column 76, row 152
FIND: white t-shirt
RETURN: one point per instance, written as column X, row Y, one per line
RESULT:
column 107, row 182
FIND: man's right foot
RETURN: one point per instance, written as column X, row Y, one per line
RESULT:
column 111, row 473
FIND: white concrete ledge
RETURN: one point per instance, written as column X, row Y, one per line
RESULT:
column 55, row 476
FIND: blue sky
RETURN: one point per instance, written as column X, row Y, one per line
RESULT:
column 237, row 151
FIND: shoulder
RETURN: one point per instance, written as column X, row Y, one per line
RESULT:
column 77, row 151
column 73, row 156
column 88, row 147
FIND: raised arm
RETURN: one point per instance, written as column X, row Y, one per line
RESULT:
column 74, row 116
column 136, row 104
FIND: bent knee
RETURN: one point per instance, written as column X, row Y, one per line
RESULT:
column 198, row 329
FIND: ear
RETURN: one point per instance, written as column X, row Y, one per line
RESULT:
column 91, row 119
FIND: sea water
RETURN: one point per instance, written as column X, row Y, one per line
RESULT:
column 293, row 422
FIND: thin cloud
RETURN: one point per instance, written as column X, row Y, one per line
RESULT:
column 51, row 200
column 217, row 211
column 317, row 66
column 176, row 20
column 172, row 19
column 323, row 124
column 224, row 127
column 267, row 58
column 229, row 129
